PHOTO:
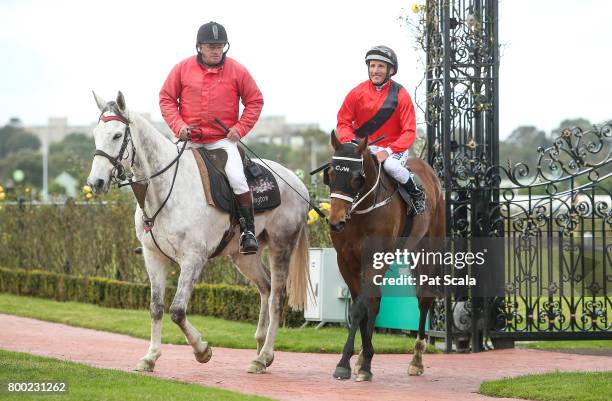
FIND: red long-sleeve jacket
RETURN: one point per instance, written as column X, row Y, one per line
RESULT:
column 362, row 103
column 195, row 94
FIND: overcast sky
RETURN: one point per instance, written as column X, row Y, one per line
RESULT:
column 305, row 56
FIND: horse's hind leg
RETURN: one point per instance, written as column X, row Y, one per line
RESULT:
column 252, row 267
column 416, row 364
column 190, row 272
column 156, row 269
column 437, row 231
column 280, row 256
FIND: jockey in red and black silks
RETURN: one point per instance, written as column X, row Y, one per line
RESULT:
column 210, row 85
column 382, row 107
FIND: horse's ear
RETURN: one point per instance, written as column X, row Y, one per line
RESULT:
column 120, row 101
column 99, row 101
column 334, row 140
column 363, row 145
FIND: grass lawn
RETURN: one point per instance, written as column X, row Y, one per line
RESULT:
column 88, row 383
column 218, row 332
column 566, row 344
column 559, row 386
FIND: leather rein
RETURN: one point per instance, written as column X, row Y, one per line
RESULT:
column 359, row 198
column 139, row 187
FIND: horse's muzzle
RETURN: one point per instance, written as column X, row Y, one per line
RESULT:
column 337, row 227
column 97, row 185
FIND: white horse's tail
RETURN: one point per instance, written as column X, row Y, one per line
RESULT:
column 298, row 278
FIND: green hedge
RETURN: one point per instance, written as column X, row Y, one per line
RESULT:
column 230, row 302
column 87, row 239
column 95, row 239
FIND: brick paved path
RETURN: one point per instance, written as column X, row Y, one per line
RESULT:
column 293, row 376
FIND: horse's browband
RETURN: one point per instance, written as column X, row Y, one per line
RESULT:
column 114, row 118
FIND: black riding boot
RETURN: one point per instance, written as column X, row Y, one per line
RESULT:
column 248, row 242
column 417, row 194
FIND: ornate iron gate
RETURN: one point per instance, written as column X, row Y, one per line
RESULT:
column 553, row 218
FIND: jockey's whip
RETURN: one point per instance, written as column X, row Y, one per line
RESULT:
column 315, row 208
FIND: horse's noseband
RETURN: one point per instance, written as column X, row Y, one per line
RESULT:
column 116, row 161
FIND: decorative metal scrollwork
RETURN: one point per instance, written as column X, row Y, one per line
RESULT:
column 554, row 215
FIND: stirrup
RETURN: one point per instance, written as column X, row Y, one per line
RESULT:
column 417, row 195
column 249, row 249
column 418, row 202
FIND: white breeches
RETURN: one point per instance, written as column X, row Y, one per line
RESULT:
column 395, row 165
column 233, row 167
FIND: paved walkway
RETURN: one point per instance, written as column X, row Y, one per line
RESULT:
column 293, row 376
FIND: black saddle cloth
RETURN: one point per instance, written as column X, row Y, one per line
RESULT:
column 263, row 185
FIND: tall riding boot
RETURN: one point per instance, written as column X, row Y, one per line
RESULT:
column 248, row 242
column 417, row 194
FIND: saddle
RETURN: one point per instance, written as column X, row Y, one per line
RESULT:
column 261, row 181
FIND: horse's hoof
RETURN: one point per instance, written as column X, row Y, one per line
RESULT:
column 342, row 373
column 415, row 370
column 363, row 376
column 205, row 356
column 145, row 365
column 257, row 367
column 268, row 363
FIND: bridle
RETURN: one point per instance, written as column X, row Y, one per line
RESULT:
column 119, row 173
column 358, row 198
column 123, row 178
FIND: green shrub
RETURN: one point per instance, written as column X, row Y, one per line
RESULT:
column 232, row 302
column 89, row 239
column 94, row 239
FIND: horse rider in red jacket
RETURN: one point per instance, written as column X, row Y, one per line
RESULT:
column 208, row 86
column 380, row 106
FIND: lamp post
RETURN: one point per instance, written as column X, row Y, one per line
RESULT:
column 45, row 163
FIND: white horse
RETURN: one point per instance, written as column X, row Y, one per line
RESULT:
column 188, row 230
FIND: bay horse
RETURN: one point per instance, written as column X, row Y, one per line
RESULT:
column 188, row 230
column 366, row 205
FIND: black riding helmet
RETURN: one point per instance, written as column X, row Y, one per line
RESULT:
column 385, row 54
column 212, row 32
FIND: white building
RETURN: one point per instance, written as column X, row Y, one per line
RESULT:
column 269, row 129
column 276, row 130
column 58, row 128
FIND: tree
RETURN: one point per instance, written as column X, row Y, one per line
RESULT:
column 76, row 144
column 579, row 122
column 27, row 160
column 270, row 151
column 73, row 154
column 521, row 146
column 14, row 138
